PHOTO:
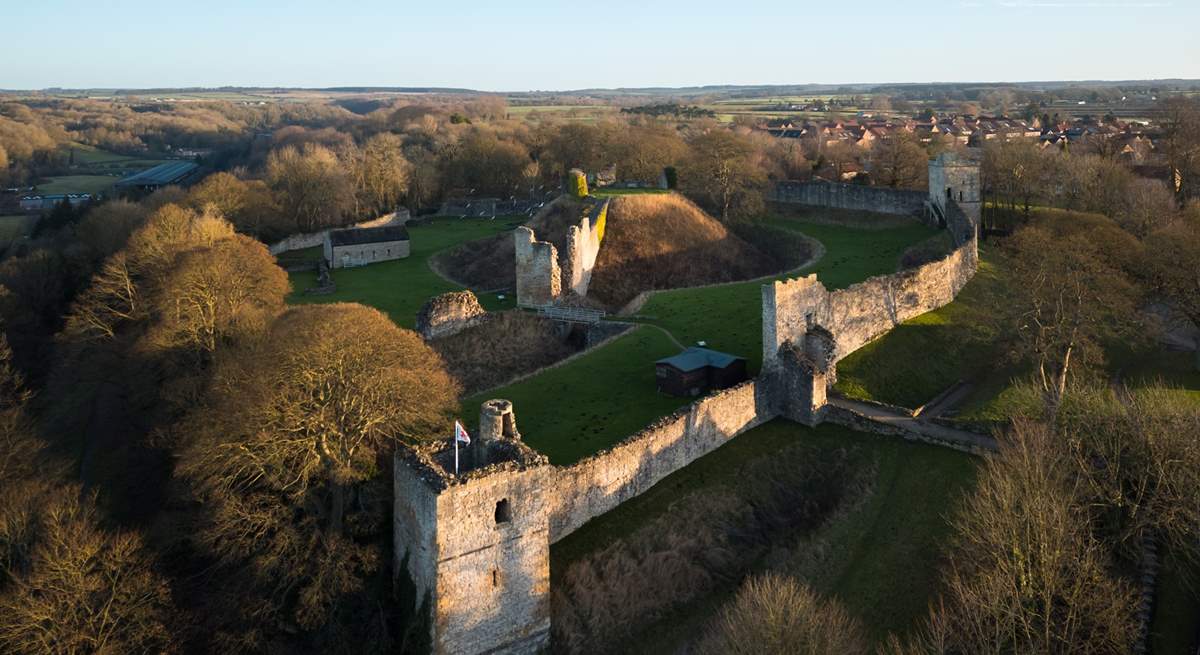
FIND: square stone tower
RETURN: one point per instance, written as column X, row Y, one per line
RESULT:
column 955, row 176
column 476, row 544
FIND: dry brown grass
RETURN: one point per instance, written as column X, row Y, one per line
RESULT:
column 500, row 348
column 702, row 542
column 666, row 242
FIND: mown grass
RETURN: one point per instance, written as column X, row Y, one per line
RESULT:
column 399, row 287
column 76, row 184
column 729, row 317
column 925, row 355
column 572, row 411
column 880, row 559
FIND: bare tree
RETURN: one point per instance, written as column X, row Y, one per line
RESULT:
column 311, row 184
column 720, row 172
column 1066, row 296
column 1172, row 259
column 1027, row 576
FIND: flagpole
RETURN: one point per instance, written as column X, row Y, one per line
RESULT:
column 455, row 437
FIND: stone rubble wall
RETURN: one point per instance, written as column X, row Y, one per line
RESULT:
column 313, row 239
column 583, row 246
column 593, row 486
column 865, row 311
column 838, row 195
column 539, row 280
column 449, row 313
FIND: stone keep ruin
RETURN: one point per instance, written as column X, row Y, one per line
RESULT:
column 543, row 277
column 477, row 545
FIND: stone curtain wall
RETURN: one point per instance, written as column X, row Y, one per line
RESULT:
column 448, row 314
column 603, row 481
column 313, row 239
column 838, row 195
column 583, row 246
column 864, row 311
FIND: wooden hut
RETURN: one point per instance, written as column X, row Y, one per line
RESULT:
column 696, row 371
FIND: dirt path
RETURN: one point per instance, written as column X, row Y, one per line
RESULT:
column 917, row 426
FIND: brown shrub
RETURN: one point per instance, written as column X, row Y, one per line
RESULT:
column 777, row 615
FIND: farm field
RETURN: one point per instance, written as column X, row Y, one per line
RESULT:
column 729, row 317
column 399, row 288
column 888, row 546
column 77, row 184
column 572, row 411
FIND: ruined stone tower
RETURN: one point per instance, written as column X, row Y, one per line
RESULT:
column 955, row 176
column 475, row 544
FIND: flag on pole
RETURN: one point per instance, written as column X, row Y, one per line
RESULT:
column 460, row 434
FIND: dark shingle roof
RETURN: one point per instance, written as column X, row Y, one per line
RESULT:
column 360, row 235
column 696, row 358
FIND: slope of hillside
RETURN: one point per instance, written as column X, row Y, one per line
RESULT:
column 666, row 242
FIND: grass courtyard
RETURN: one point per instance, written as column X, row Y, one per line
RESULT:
column 880, row 559
column 400, row 287
column 729, row 317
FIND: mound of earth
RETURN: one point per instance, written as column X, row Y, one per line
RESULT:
column 503, row 346
column 651, row 241
column 666, row 242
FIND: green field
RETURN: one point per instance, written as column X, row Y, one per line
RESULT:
column 12, row 227
column 729, row 317
column 572, row 411
column 76, row 184
column 400, row 287
column 881, row 560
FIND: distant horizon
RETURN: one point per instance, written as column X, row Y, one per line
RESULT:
column 544, row 45
column 402, row 88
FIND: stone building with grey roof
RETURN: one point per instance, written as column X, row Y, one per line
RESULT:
column 366, row 245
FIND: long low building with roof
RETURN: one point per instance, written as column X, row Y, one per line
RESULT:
column 360, row 246
column 152, row 179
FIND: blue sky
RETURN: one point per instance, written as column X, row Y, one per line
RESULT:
column 570, row 44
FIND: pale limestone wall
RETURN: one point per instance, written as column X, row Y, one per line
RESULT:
column 593, row 486
column 539, row 281
column 493, row 579
column 415, row 525
column 954, row 179
column 449, row 313
column 865, row 311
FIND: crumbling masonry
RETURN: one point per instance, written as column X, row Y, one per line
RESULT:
column 476, row 545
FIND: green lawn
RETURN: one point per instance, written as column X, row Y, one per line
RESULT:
column 400, row 287
column 572, row 411
column 12, row 227
column 882, row 558
column 76, row 184
column 729, row 317
column 925, row 355
column 88, row 155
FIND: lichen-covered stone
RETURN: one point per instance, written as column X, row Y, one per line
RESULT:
column 449, row 313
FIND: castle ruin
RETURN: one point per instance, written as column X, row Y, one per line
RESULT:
column 476, row 544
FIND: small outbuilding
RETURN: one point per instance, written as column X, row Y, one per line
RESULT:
column 696, row 371
column 365, row 245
